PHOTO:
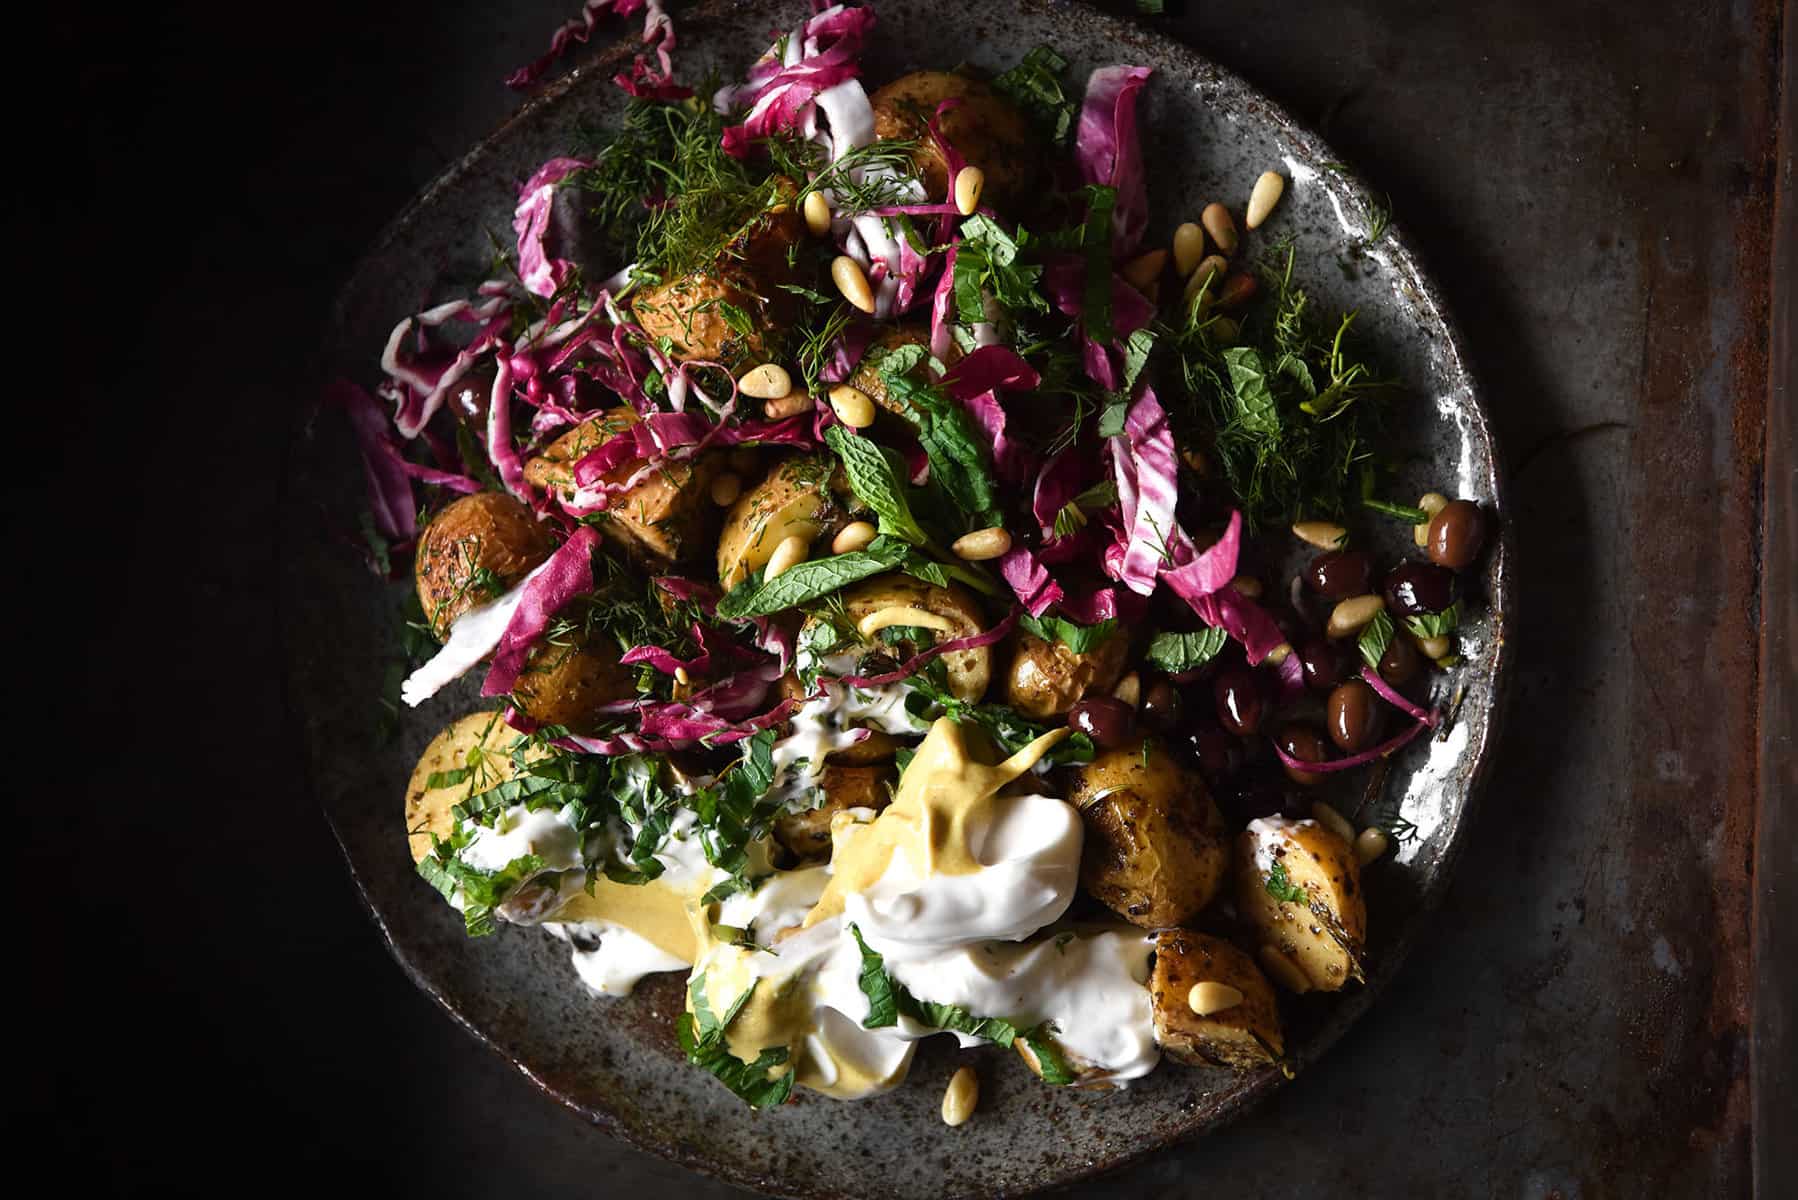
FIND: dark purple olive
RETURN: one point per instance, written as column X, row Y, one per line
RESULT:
column 1303, row 743
column 1413, row 588
column 1241, row 700
column 1325, row 663
column 1354, row 715
column 1160, row 706
column 1401, row 662
column 1339, row 574
column 468, row 399
column 1456, row 534
column 1109, row 723
column 1218, row 754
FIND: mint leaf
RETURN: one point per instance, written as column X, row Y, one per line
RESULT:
column 1049, row 1060
column 988, row 259
column 1176, row 653
column 1081, row 639
column 1281, row 887
column 876, row 479
column 1095, row 246
column 1375, row 638
column 1431, row 625
column 1035, row 86
column 1256, row 410
column 960, row 459
column 702, row 1040
column 888, row 1000
column 755, row 597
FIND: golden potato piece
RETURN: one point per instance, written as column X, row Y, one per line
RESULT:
column 1047, row 679
column 1156, row 849
column 985, row 128
column 969, row 670
column 867, row 374
column 565, row 682
column 1321, row 933
column 807, row 834
column 794, row 500
column 667, row 516
column 428, row 808
column 1245, row 1035
column 477, row 548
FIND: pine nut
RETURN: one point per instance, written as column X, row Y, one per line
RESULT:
column 1325, row 535
column 726, row 488
column 817, row 214
column 1189, row 248
column 961, row 1097
column 1143, row 270
column 790, row 405
column 1129, row 690
column 852, row 406
column 1209, row 274
column 852, row 537
column 1240, row 288
column 1371, row 845
column 1353, row 615
column 769, row 381
column 1217, row 223
column 790, row 553
column 1267, row 193
column 969, row 183
column 1434, row 648
column 1332, row 820
column 846, row 273
column 1224, row 331
column 1209, row 996
column 1248, row 586
column 681, row 677
column 1278, row 654
column 1430, row 503
column 982, row 544
column 1285, row 972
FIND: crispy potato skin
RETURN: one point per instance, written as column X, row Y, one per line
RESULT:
column 1046, row 678
column 488, row 531
column 807, row 834
column 970, row 671
column 1324, row 936
column 1156, row 849
column 427, row 808
column 986, row 128
column 567, row 682
column 1245, row 1036
column 667, row 517
column 793, row 500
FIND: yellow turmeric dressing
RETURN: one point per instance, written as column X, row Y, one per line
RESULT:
column 653, row 911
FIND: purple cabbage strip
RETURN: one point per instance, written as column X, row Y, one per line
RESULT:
column 390, row 500
column 543, row 274
column 916, row 662
column 1147, row 476
column 781, row 96
column 1108, row 151
column 1029, row 579
column 567, row 574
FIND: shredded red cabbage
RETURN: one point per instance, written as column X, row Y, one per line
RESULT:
column 390, row 500
column 542, row 273
column 658, row 30
column 1108, row 152
column 1393, row 697
column 567, row 573
column 916, row 662
column 1354, row 760
column 1146, row 472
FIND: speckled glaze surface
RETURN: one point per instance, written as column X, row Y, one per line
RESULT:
column 1207, row 135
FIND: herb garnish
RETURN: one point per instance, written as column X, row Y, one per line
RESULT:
column 1177, row 653
column 1281, row 887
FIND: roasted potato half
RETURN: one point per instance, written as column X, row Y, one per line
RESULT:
column 1246, row 1034
column 867, row 374
column 477, row 548
column 794, row 499
column 1046, row 678
column 984, row 127
column 1321, row 931
column 566, row 681
column 953, row 608
column 807, row 833
column 1156, row 849
column 481, row 742
column 666, row 517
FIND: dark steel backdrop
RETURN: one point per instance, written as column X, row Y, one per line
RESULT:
column 1592, row 183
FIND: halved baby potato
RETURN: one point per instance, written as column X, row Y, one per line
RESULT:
column 794, row 500
column 969, row 671
column 1246, row 1034
column 1322, row 933
column 867, row 374
column 568, row 680
column 486, row 534
column 482, row 743
column 1047, row 679
column 807, row 833
column 1157, row 850
column 985, row 128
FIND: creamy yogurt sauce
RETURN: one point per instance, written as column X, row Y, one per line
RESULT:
column 1269, row 834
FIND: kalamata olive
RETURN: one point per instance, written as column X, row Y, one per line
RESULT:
column 1109, row 723
column 1419, row 587
column 1401, row 662
column 1302, row 742
column 1160, row 706
column 1325, row 663
column 468, row 399
column 1354, row 715
column 1217, row 753
column 1241, row 700
column 1339, row 574
column 1456, row 534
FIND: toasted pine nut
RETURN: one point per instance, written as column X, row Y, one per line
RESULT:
column 681, row 677
column 1332, row 820
column 726, row 488
column 853, row 536
column 1145, row 269
column 817, row 214
column 969, row 182
column 1189, row 248
column 1431, row 503
column 790, row 405
column 1248, row 586
column 852, row 406
column 1208, row 996
column 790, row 553
column 961, row 1097
column 1279, row 654
column 1224, row 331
column 1435, row 648
column 1352, row 615
column 1285, row 972
column 1371, row 844
column 769, row 381
column 1209, row 274
column 1129, row 690
column 1240, row 288
column 1217, row 223
column 1268, row 190
column 846, row 273
column 982, row 544
column 1325, row 535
